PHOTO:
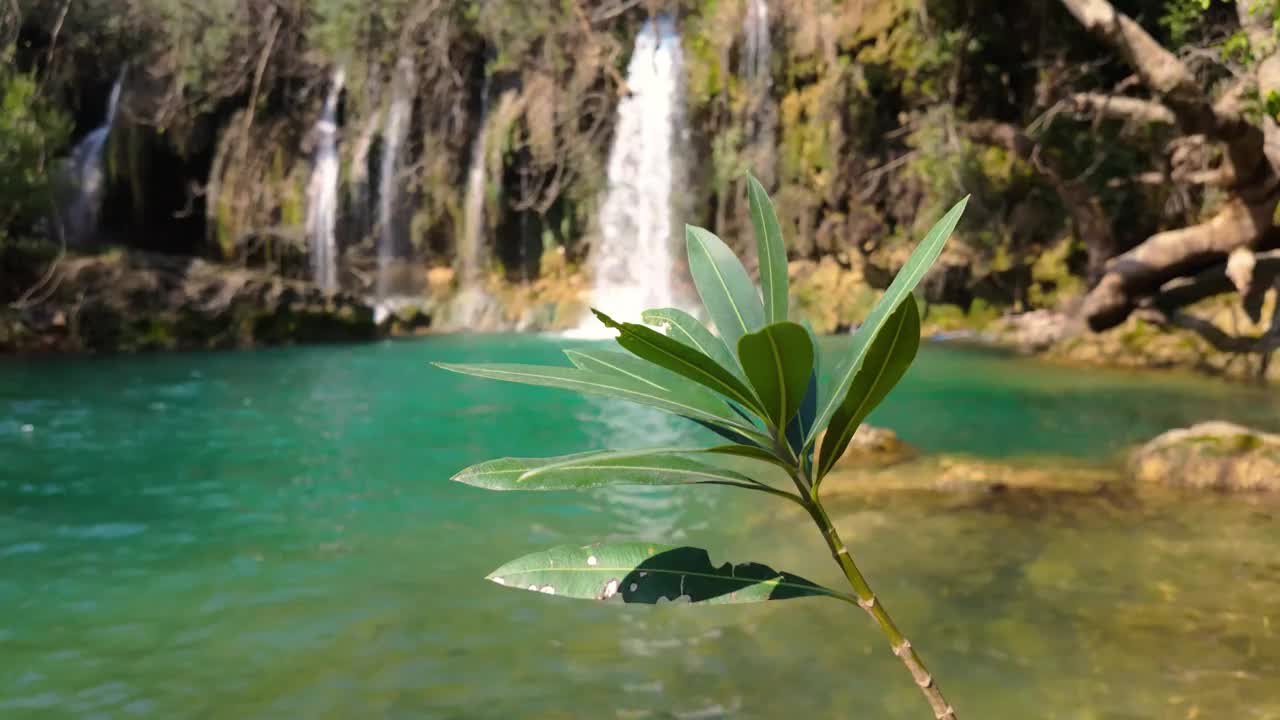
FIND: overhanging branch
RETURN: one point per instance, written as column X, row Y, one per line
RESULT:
column 1120, row 107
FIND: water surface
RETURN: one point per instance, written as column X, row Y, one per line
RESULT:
column 273, row 534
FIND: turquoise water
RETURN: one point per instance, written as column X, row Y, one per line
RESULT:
column 273, row 534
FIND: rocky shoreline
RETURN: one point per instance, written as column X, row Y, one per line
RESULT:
column 134, row 301
column 131, row 301
column 1210, row 456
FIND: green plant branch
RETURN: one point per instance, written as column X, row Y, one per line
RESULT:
column 867, row 600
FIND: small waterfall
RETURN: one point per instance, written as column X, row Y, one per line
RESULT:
column 755, row 27
column 86, row 175
column 471, row 254
column 634, row 262
column 394, row 134
column 322, row 193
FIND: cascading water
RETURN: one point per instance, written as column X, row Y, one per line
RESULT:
column 470, row 255
column 86, row 175
column 394, row 134
column 322, row 193
column 755, row 27
column 634, row 263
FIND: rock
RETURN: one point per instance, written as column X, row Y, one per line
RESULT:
column 1212, row 455
column 872, row 446
column 1036, row 331
column 964, row 474
column 131, row 301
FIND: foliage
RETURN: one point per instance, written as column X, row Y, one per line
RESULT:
column 758, row 385
column 33, row 133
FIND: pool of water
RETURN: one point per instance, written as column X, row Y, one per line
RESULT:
column 273, row 534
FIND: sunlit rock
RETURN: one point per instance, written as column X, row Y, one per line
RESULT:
column 1212, row 455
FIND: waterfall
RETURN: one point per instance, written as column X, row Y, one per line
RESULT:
column 86, row 175
column 755, row 26
column 322, row 193
column 634, row 262
column 394, row 134
column 471, row 254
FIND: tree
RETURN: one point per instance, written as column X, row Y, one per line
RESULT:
column 1235, row 248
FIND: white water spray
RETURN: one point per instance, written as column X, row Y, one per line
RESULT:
column 322, row 193
column 394, row 134
column 634, row 262
column 87, row 175
column 471, row 254
column 755, row 27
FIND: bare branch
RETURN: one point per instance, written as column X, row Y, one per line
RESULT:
column 1174, row 82
column 1181, row 292
column 1217, row 177
column 1222, row 341
column 1119, row 107
column 1171, row 253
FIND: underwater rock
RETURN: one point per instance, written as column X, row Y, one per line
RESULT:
column 964, row 474
column 1212, row 455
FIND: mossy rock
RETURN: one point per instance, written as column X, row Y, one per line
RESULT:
column 1212, row 455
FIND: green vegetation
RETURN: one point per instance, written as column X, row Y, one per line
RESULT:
column 34, row 132
column 758, row 384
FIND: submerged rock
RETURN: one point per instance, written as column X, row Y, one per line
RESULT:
column 141, row 301
column 964, row 474
column 873, row 446
column 1212, row 455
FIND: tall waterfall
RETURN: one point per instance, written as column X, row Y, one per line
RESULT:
column 471, row 254
column 394, row 134
column 634, row 262
column 322, row 193
column 86, row 175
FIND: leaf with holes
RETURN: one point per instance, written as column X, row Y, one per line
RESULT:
column 770, row 250
column 637, row 572
column 705, row 408
column 887, row 361
column 651, row 345
column 583, row 471
column 905, row 281
column 724, row 286
column 684, row 327
column 778, row 361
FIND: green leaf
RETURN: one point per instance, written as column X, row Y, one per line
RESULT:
column 723, row 285
column 752, row 452
column 583, row 471
column 890, row 355
column 651, row 345
column 798, row 428
column 638, row 572
column 638, row 369
column 917, row 265
column 703, row 407
column 684, row 327
column 772, row 253
column 629, row 366
column 778, row 361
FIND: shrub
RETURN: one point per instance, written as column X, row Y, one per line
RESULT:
column 759, row 386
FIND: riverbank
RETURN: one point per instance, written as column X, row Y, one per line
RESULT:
column 133, row 301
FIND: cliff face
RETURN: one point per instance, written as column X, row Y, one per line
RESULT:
column 847, row 110
column 490, row 122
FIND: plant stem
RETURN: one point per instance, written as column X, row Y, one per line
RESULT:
column 867, row 601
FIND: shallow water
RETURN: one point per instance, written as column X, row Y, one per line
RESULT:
column 273, row 534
